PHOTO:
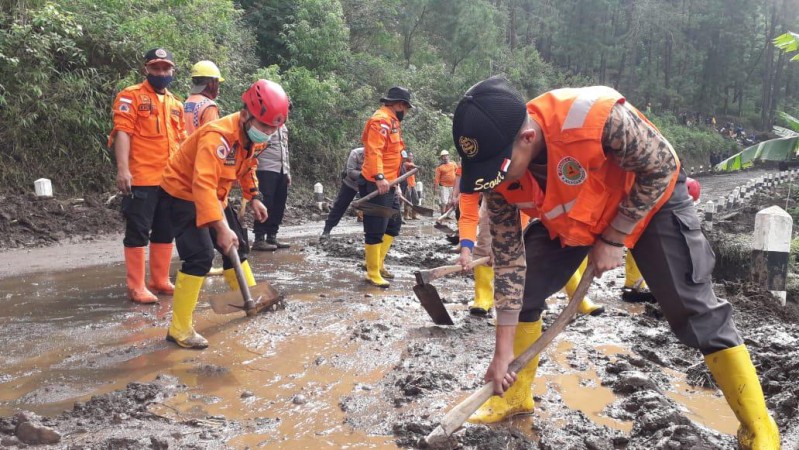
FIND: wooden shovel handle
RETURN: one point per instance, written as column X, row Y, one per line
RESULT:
column 446, row 214
column 438, row 272
column 458, row 415
column 374, row 194
column 249, row 304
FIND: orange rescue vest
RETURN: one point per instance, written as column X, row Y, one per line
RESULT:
column 584, row 188
column 194, row 107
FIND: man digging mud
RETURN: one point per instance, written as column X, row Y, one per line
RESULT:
column 600, row 177
column 196, row 184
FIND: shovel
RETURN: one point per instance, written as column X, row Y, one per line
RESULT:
column 457, row 415
column 439, row 225
column 427, row 212
column 234, row 302
column 428, row 295
column 371, row 209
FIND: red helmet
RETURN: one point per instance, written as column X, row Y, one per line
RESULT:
column 694, row 188
column 267, row 102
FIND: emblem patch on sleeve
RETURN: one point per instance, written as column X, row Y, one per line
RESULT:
column 222, row 151
column 570, row 171
column 124, row 107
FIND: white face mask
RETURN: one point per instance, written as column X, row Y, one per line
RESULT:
column 258, row 136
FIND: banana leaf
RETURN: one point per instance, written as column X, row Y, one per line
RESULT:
column 782, row 149
column 788, row 42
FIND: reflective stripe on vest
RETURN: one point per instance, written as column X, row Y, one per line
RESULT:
column 580, row 108
column 559, row 210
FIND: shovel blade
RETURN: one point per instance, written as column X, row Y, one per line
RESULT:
column 442, row 227
column 371, row 209
column 232, row 302
column 427, row 212
column 428, row 296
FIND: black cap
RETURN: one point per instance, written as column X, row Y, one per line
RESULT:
column 398, row 94
column 158, row 55
column 486, row 122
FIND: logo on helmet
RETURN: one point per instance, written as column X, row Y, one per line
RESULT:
column 161, row 53
column 469, row 146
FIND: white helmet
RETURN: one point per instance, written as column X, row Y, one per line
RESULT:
column 443, row 153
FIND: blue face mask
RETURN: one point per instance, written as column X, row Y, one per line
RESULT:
column 159, row 82
column 257, row 136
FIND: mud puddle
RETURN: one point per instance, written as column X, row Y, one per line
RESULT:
column 348, row 366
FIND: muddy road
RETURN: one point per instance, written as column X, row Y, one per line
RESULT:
column 345, row 365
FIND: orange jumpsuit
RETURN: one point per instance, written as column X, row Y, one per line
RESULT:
column 198, row 179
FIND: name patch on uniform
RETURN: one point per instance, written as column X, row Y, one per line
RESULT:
column 570, row 171
column 147, row 107
column 189, row 107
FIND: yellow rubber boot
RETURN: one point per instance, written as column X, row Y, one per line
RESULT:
column 518, row 399
column 586, row 307
column 373, row 277
column 734, row 373
column 483, row 290
column 134, row 276
column 632, row 275
column 160, row 258
column 384, row 247
column 181, row 328
column 233, row 282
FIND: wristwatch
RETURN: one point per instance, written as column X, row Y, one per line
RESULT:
column 379, row 177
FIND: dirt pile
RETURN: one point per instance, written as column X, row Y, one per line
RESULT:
column 28, row 221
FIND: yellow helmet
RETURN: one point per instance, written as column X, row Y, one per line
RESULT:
column 206, row 69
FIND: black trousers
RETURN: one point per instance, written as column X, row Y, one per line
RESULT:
column 275, row 189
column 375, row 227
column 676, row 260
column 340, row 205
column 196, row 245
column 146, row 218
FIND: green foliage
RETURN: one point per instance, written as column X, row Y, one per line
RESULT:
column 62, row 62
column 693, row 144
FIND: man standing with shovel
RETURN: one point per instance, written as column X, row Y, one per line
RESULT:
column 383, row 145
column 195, row 187
column 601, row 177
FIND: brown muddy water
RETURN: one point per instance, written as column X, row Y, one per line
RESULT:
column 349, row 366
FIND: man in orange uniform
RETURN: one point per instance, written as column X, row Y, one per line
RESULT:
column 601, row 177
column 444, row 180
column 148, row 127
column 383, row 145
column 195, row 188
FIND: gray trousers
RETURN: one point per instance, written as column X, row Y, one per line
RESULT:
column 676, row 260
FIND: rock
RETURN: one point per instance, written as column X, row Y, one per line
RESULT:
column 10, row 442
column 632, row 381
column 158, row 443
column 247, row 394
column 37, row 434
column 25, row 416
column 300, row 399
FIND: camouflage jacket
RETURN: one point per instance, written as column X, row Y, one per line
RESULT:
column 629, row 142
